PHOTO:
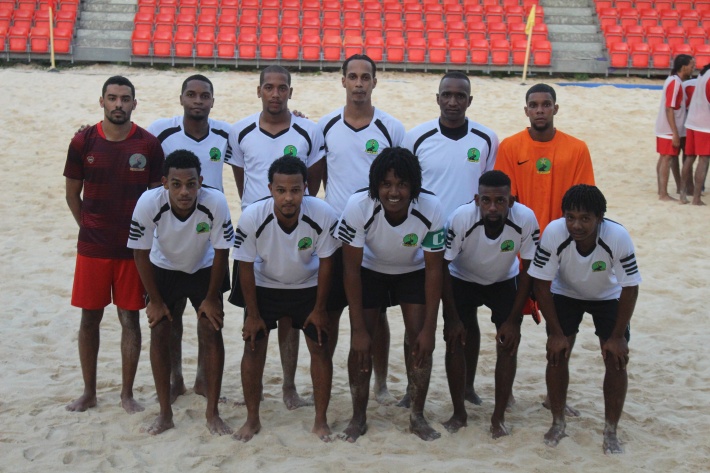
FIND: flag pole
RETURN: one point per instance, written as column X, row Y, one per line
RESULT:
column 528, row 31
column 53, row 68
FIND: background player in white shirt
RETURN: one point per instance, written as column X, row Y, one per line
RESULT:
column 454, row 151
column 591, row 263
column 393, row 254
column 484, row 239
column 181, row 235
column 284, row 247
column 354, row 135
column 256, row 142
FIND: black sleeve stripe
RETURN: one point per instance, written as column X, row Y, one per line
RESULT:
column 162, row 210
column 606, row 248
column 364, row 189
column 263, row 225
column 421, row 217
column 228, row 230
column 224, row 134
column 332, row 228
column 304, row 134
column 206, row 211
column 628, row 258
column 515, row 227
column 330, row 124
column 372, row 219
column 477, row 224
column 313, row 224
column 541, row 257
column 245, row 132
column 228, row 153
column 241, row 236
column 422, row 138
column 425, row 191
column 564, row 245
column 347, row 227
column 384, row 131
column 241, row 233
column 165, row 134
column 543, row 251
column 485, row 137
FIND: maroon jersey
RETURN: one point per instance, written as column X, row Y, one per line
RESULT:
column 115, row 174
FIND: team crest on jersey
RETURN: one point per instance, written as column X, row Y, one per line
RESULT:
column 215, row 154
column 290, row 150
column 543, row 166
column 90, row 159
column 598, row 266
column 137, row 162
column 305, row 243
column 203, row 227
column 410, row 240
column 372, row 146
column 474, row 155
column 507, row 246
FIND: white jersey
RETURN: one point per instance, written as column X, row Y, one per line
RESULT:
column 476, row 258
column 181, row 245
column 213, row 150
column 451, row 168
column 672, row 97
column 598, row 276
column 286, row 260
column 350, row 152
column 254, row 149
column 388, row 249
column 699, row 112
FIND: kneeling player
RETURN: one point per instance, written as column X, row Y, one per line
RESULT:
column 591, row 263
column 284, row 248
column 181, row 234
column 393, row 255
column 484, row 239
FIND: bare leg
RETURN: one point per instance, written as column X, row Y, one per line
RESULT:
column 322, row 378
column 380, row 360
column 89, row 340
column 506, row 366
column 333, row 329
column 160, row 362
column 456, row 376
column 686, row 181
column 252, row 383
column 471, row 351
column 664, row 164
column 700, row 173
column 569, row 410
column 557, row 378
column 615, row 385
column 288, row 349
column 213, row 349
column 130, row 353
column 406, row 401
column 675, row 169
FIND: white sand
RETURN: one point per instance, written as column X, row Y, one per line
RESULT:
column 666, row 416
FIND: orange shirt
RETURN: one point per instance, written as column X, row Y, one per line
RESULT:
column 541, row 172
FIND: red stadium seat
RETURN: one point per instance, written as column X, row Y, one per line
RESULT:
column 144, row 6
column 642, row 4
column 613, row 34
column 500, row 52
column 185, row 22
column 655, row 35
column 438, row 49
column 66, row 19
column 608, row 16
column 458, row 51
column 661, row 56
column 310, row 9
column 542, row 53
column 140, row 43
column 689, row 18
column 375, row 47
column 435, row 29
column 162, row 43
column 331, row 27
column 621, row 4
column 17, row 39
column 290, row 8
column 290, row 47
column 226, row 44
column 395, row 48
column 184, row 42
column 352, row 45
column 648, row 17
column 247, row 7
column 23, row 18
column 453, row 12
column 167, row 6
column 352, row 9
column 228, row 20
column 290, row 25
column 634, row 34
column 39, row 39
column 702, row 55
column 311, row 48
column 62, row 40
column 518, row 49
column 270, row 8
column 246, row 46
column 352, row 27
column 539, row 32
column 311, row 27
column 480, row 50
column 331, row 9
column 669, row 18
column 392, row 11
column 372, row 11
column 628, row 16
column 373, row 27
column 640, row 55
column 207, row 23
column 414, row 29
column 494, row 13
column 412, row 11
column 269, row 25
column 675, row 35
column 5, row 19
column 394, row 28
column 702, row 5
column 142, row 21
column 248, row 25
column 681, row 49
column 619, row 55
column 188, row 6
column 514, row 14
column 433, row 12
column 455, row 30
column 497, row 31
column 663, row 4
column 696, row 36
column 165, row 22
column 268, row 46
column 473, row 13
column 416, row 50
column 683, row 5
column 332, row 48
column 204, row 45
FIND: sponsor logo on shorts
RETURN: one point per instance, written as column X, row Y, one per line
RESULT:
column 474, row 155
column 543, row 166
column 507, row 246
column 372, row 146
column 410, row 240
column 305, row 243
column 215, row 154
column 203, row 227
column 598, row 266
column 137, row 162
column 90, row 159
column 290, row 150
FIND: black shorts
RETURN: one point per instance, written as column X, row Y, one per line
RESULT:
column 336, row 297
column 499, row 297
column 381, row 290
column 176, row 285
column 570, row 312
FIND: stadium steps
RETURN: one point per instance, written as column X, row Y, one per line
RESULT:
column 104, row 31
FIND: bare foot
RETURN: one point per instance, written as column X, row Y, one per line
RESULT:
column 569, row 410
column 384, row 398
column 511, row 403
column 555, row 434
column 421, row 428
column 666, row 198
column 698, row 202
column 131, row 405
column 683, row 198
column 86, row 401
column 294, row 401
column 611, row 443
column 177, row 389
column 498, row 430
column 248, row 431
column 405, row 402
column 455, row 423
column 199, row 387
column 217, row 426
column 353, row 431
column 159, row 426
column 472, row 397
column 323, row 432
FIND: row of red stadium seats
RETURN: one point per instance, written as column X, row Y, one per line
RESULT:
column 658, row 56
column 656, row 34
column 21, row 39
column 650, row 17
column 30, row 18
column 679, row 5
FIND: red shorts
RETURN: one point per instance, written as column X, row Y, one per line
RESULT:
column 665, row 146
column 96, row 279
column 697, row 143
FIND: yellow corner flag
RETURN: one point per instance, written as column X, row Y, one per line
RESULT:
column 531, row 21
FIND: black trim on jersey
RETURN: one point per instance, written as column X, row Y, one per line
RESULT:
column 137, row 231
column 206, row 211
column 477, row 224
column 485, row 137
column 331, row 123
column 629, row 264
column 263, row 198
column 384, row 131
column 245, row 132
column 162, row 210
column 228, row 230
column 239, row 238
column 304, row 134
column 332, row 228
column 313, row 224
column 356, row 130
column 372, row 219
column 209, row 187
column 222, row 133
column 421, row 217
column 606, row 247
column 362, row 190
column 197, row 140
column 346, row 233
column 422, row 138
column 513, row 226
column 536, row 236
column 282, row 132
column 541, row 257
column 450, row 236
column 228, row 152
column 165, row 134
column 424, row 191
column 263, row 225
column 564, row 245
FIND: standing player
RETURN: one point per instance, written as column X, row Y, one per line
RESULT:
column 257, row 141
column 591, row 263
column 113, row 163
column 686, row 173
column 670, row 124
column 484, row 239
column 181, row 234
column 393, row 235
column 284, row 248
column 354, row 135
column 698, row 140
column 454, row 151
column 209, row 140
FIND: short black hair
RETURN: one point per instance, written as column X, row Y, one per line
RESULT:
column 494, row 178
column 118, row 80
column 455, row 75
column 405, row 166
column 181, row 159
column 705, row 68
column 360, row 57
column 680, row 60
column 199, row 77
column 288, row 165
column 585, row 198
column 541, row 89
column 274, row 69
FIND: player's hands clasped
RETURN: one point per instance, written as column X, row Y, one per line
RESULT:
column 213, row 310
column 557, row 347
column 156, row 312
column 618, row 349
